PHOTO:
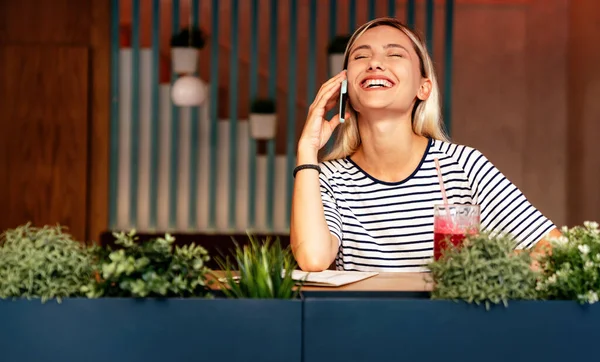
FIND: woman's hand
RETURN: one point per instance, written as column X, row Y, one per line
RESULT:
column 317, row 130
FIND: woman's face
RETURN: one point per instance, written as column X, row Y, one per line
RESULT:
column 384, row 72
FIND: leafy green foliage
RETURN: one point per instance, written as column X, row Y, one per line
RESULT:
column 197, row 38
column 338, row 44
column 150, row 269
column 572, row 270
column 44, row 263
column 485, row 270
column 265, row 271
column 263, row 106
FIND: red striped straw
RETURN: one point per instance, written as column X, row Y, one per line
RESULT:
column 441, row 181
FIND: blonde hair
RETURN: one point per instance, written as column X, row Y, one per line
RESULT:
column 426, row 115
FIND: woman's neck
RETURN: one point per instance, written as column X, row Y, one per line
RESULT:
column 390, row 150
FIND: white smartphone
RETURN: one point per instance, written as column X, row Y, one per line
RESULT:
column 343, row 100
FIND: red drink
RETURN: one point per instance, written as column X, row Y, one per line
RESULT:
column 440, row 242
column 451, row 224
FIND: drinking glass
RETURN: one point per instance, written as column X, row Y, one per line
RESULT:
column 452, row 223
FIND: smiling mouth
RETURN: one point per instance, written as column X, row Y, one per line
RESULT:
column 376, row 83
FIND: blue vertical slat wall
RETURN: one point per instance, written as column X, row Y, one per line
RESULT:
column 273, row 29
column 332, row 19
column 312, row 56
column 332, row 34
column 410, row 13
column 135, row 112
column 290, row 119
column 291, row 107
column 113, row 194
column 392, row 8
column 233, row 112
column 214, row 99
column 429, row 26
column 371, row 9
column 352, row 16
column 193, row 205
column 447, row 96
column 154, row 116
column 253, row 94
column 174, row 160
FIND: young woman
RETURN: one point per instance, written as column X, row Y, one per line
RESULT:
column 369, row 204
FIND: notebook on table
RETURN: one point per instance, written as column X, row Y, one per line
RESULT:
column 330, row 278
column 326, row 278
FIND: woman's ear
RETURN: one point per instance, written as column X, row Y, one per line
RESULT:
column 424, row 89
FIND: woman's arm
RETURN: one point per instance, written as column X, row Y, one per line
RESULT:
column 543, row 247
column 313, row 245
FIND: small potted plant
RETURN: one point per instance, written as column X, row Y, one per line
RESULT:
column 43, row 263
column 260, row 271
column 572, row 270
column 484, row 270
column 185, row 47
column 335, row 52
column 153, row 268
column 263, row 121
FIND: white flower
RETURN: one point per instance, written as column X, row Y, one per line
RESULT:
column 590, row 297
column 564, row 229
column 584, row 249
column 552, row 279
column 591, row 225
column 562, row 240
column 588, row 264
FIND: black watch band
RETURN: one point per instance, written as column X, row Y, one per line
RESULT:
column 302, row 167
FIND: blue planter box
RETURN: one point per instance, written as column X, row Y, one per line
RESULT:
column 429, row 330
column 121, row 329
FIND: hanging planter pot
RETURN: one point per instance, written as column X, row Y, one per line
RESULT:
column 335, row 52
column 185, row 49
column 184, row 60
column 263, row 120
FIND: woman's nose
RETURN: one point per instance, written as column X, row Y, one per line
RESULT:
column 376, row 63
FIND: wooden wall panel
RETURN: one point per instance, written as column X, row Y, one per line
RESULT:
column 54, row 96
column 584, row 111
column 545, row 148
column 99, row 130
column 45, row 21
column 44, row 102
column 490, row 84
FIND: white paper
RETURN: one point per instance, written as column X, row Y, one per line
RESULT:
column 331, row 278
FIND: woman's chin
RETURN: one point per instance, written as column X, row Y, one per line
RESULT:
column 375, row 105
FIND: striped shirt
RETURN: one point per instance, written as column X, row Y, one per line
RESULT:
column 388, row 226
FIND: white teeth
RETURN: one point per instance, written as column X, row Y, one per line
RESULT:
column 376, row 83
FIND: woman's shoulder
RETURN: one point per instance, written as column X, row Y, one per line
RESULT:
column 464, row 155
column 335, row 166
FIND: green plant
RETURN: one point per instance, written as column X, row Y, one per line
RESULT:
column 572, row 270
column 44, row 263
column 263, row 106
column 338, row 44
column 197, row 39
column 486, row 269
column 264, row 270
column 153, row 268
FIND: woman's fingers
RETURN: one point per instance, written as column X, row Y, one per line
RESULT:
column 328, row 96
column 328, row 89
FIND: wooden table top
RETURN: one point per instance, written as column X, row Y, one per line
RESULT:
column 383, row 282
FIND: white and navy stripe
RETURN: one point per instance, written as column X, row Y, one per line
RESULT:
column 385, row 226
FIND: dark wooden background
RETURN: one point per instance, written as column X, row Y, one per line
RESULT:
column 54, row 113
